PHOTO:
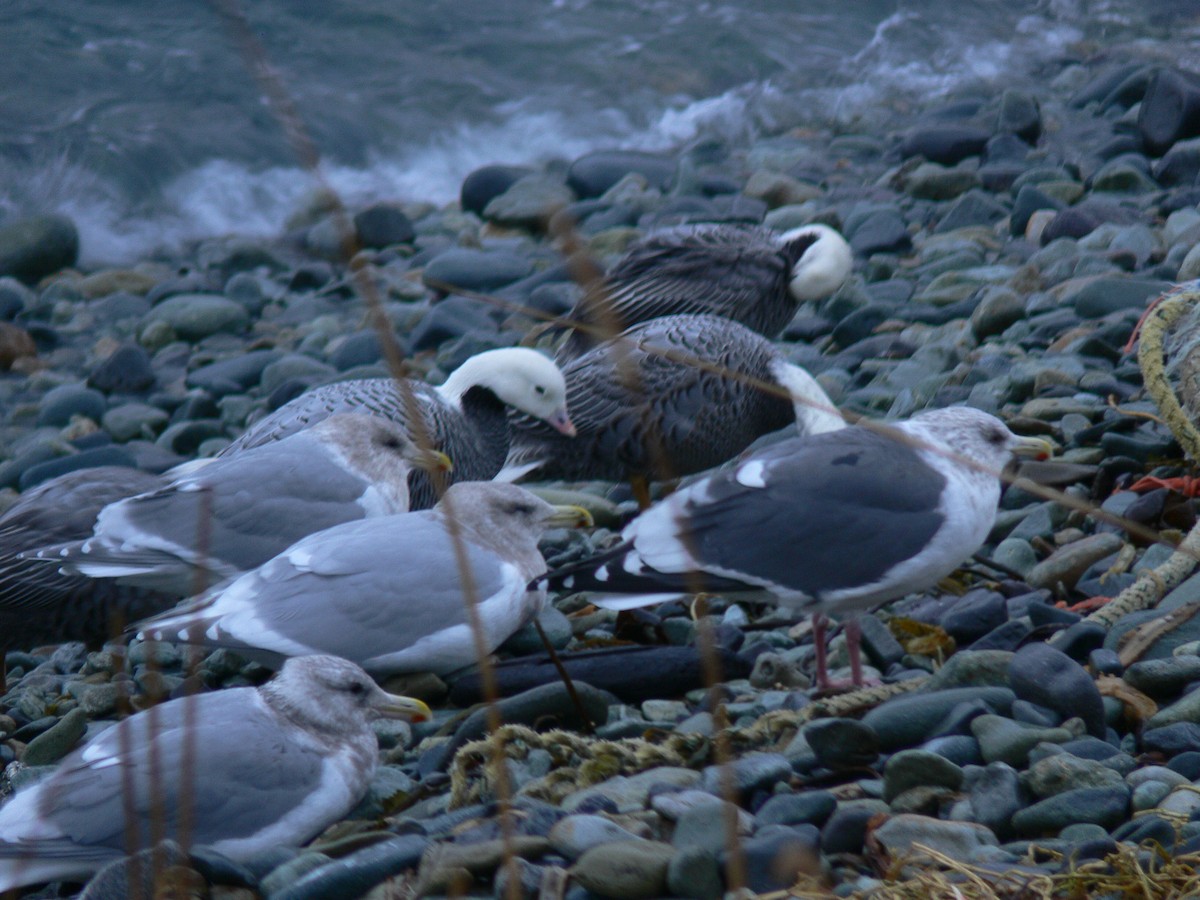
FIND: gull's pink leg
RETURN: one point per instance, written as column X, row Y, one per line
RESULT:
column 821, row 675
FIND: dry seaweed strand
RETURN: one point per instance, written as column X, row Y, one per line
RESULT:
column 1118, row 874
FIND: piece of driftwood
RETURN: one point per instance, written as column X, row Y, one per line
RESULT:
column 632, row 674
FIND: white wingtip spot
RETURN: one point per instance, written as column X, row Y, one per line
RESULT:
column 569, row 582
column 751, row 474
column 212, row 633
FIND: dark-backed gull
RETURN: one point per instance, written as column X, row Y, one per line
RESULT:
column 236, row 512
column 666, row 398
column 387, row 593
column 742, row 272
column 465, row 417
column 832, row 522
column 257, row 768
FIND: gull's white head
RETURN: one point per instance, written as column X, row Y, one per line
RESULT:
column 974, row 437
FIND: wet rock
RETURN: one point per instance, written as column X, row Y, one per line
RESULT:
column 529, row 203
column 630, row 793
column 37, row 246
column 474, row 270
column 196, row 316
column 126, row 371
column 233, row 375
column 1102, row 296
column 696, row 874
column 56, row 742
column 907, row 720
column 1106, row 806
column 594, row 173
column 62, row 403
column 751, row 772
column 1020, row 114
column 482, row 185
column 808, row 807
column 1064, row 772
column 778, row 855
column 575, row 835
column 1046, row 676
column 1163, row 677
column 382, row 225
column 1003, row 740
column 880, row 231
column 945, row 144
column 1170, row 110
column 995, row 796
column 958, row 840
column 625, row 871
column 842, row 743
column 847, row 827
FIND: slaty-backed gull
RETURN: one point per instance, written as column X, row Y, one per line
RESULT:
column 832, row 522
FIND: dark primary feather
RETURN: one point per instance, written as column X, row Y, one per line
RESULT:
column 38, row 603
column 740, row 272
column 669, row 397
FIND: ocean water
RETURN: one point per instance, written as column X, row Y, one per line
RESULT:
column 148, row 122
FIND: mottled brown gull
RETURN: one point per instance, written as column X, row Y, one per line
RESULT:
column 257, row 767
column 388, row 593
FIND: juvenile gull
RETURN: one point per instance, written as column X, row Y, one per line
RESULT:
column 465, row 417
column 747, row 273
column 667, row 398
column 41, row 604
column 237, row 512
column 832, row 522
column 387, row 593
column 259, row 767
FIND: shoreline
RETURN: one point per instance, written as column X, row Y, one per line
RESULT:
column 1005, row 249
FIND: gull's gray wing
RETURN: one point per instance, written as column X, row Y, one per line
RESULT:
column 229, row 756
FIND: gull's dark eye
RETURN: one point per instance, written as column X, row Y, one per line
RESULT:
column 539, row 390
column 357, row 688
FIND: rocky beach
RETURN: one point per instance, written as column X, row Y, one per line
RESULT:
column 1007, row 243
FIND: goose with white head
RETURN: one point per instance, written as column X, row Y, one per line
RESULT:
column 465, row 417
column 666, row 398
column 747, row 273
